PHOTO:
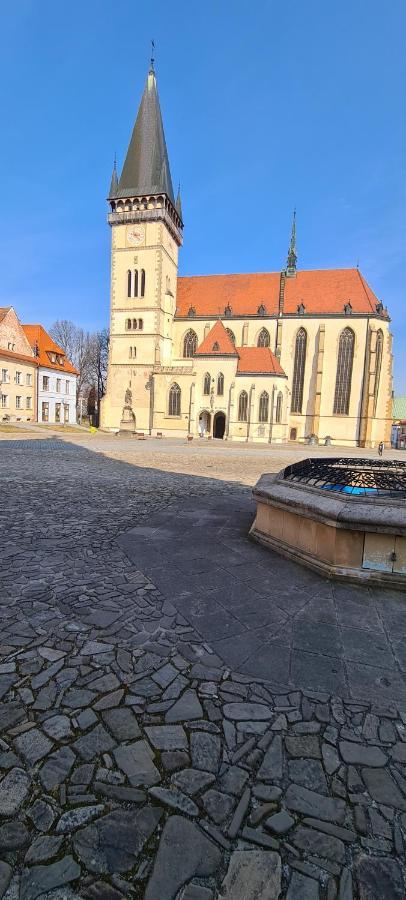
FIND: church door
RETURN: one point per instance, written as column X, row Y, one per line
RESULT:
column 219, row 425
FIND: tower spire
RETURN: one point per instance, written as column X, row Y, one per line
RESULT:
column 114, row 180
column 292, row 255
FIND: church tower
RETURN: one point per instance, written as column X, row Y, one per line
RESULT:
column 146, row 225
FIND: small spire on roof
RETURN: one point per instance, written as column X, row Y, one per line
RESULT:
column 292, row 255
column 152, row 55
column 178, row 204
column 114, row 179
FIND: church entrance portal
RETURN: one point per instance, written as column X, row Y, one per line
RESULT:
column 204, row 423
column 219, row 426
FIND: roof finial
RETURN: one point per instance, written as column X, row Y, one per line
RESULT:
column 152, row 55
column 292, row 256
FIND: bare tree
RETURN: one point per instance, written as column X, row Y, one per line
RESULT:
column 88, row 352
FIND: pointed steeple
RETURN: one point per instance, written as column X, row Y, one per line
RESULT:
column 178, row 204
column 146, row 167
column 292, row 256
column 114, row 181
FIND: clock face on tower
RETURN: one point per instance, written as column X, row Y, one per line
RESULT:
column 135, row 235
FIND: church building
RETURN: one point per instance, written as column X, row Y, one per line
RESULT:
column 270, row 357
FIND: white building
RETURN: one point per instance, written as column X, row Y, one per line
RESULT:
column 56, row 379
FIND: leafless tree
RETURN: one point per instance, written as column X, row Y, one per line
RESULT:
column 88, row 352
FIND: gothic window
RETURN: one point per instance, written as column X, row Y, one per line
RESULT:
column 344, row 372
column 243, row 406
column 189, row 343
column 279, row 404
column 206, row 384
column 128, row 324
column 264, row 339
column 129, row 283
column 135, row 282
column 142, row 282
column 378, row 365
column 263, row 407
column 231, row 334
column 220, row 384
column 174, row 400
column 298, row 371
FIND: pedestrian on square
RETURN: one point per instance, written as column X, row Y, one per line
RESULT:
column 381, row 448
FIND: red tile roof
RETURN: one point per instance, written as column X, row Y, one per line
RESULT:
column 37, row 336
column 11, row 354
column 217, row 343
column 258, row 361
column 322, row 291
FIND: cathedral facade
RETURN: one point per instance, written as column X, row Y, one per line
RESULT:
column 269, row 357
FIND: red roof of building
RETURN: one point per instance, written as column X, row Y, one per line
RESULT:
column 38, row 337
column 258, row 361
column 322, row 292
column 217, row 343
column 11, row 354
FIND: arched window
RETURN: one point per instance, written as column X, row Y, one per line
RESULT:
column 206, row 384
column 142, row 282
column 299, row 371
column 135, row 282
column 279, row 405
column 220, row 384
column 189, row 343
column 129, row 283
column 174, row 400
column 140, row 324
column 243, row 406
column 344, row 372
column 135, row 324
column 231, row 334
column 264, row 339
column 128, row 324
column 378, row 365
column 264, row 407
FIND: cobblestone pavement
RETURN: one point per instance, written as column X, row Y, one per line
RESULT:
column 143, row 751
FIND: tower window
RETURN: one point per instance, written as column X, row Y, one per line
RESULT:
column 264, row 339
column 220, row 384
column 189, row 343
column 279, row 403
column 140, row 324
column 299, row 371
column 264, row 407
column 135, row 283
column 142, row 282
column 135, row 324
column 243, row 406
column 206, row 384
column 344, row 372
column 174, row 400
column 128, row 324
column 133, row 352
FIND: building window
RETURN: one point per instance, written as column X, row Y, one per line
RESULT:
column 264, row 339
column 344, row 373
column 18, row 403
column 174, row 400
column 299, row 371
column 67, row 387
column 66, row 413
column 264, row 407
column 5, row 376
column 129, row 283
column 135, row 282
column 58, row 385
column 135, row 324
column 231, row 334
column 243, row 406
column 10, row 346
column 378, row 366
column 28, row 402
column 28, row 379
column 220, row 384
column 206, row 384
column 57, row 412
column 279, row 406
column 19, row 378
column 128, row 324
column 140, row 324
column 45, row 412
column 142, row 282
column 45, row 383
column 189, row 343
column 133, row 352
column 4, row 401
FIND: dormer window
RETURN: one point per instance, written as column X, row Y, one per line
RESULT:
column 216, row 347
column 191, row 312
column 301, row 309
column 228, row 311
column 347, row 308
column 262, row 310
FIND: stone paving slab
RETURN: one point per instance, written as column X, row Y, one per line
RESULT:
column 141, row 756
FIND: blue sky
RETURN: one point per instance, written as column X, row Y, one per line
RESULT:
column 266, row 105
